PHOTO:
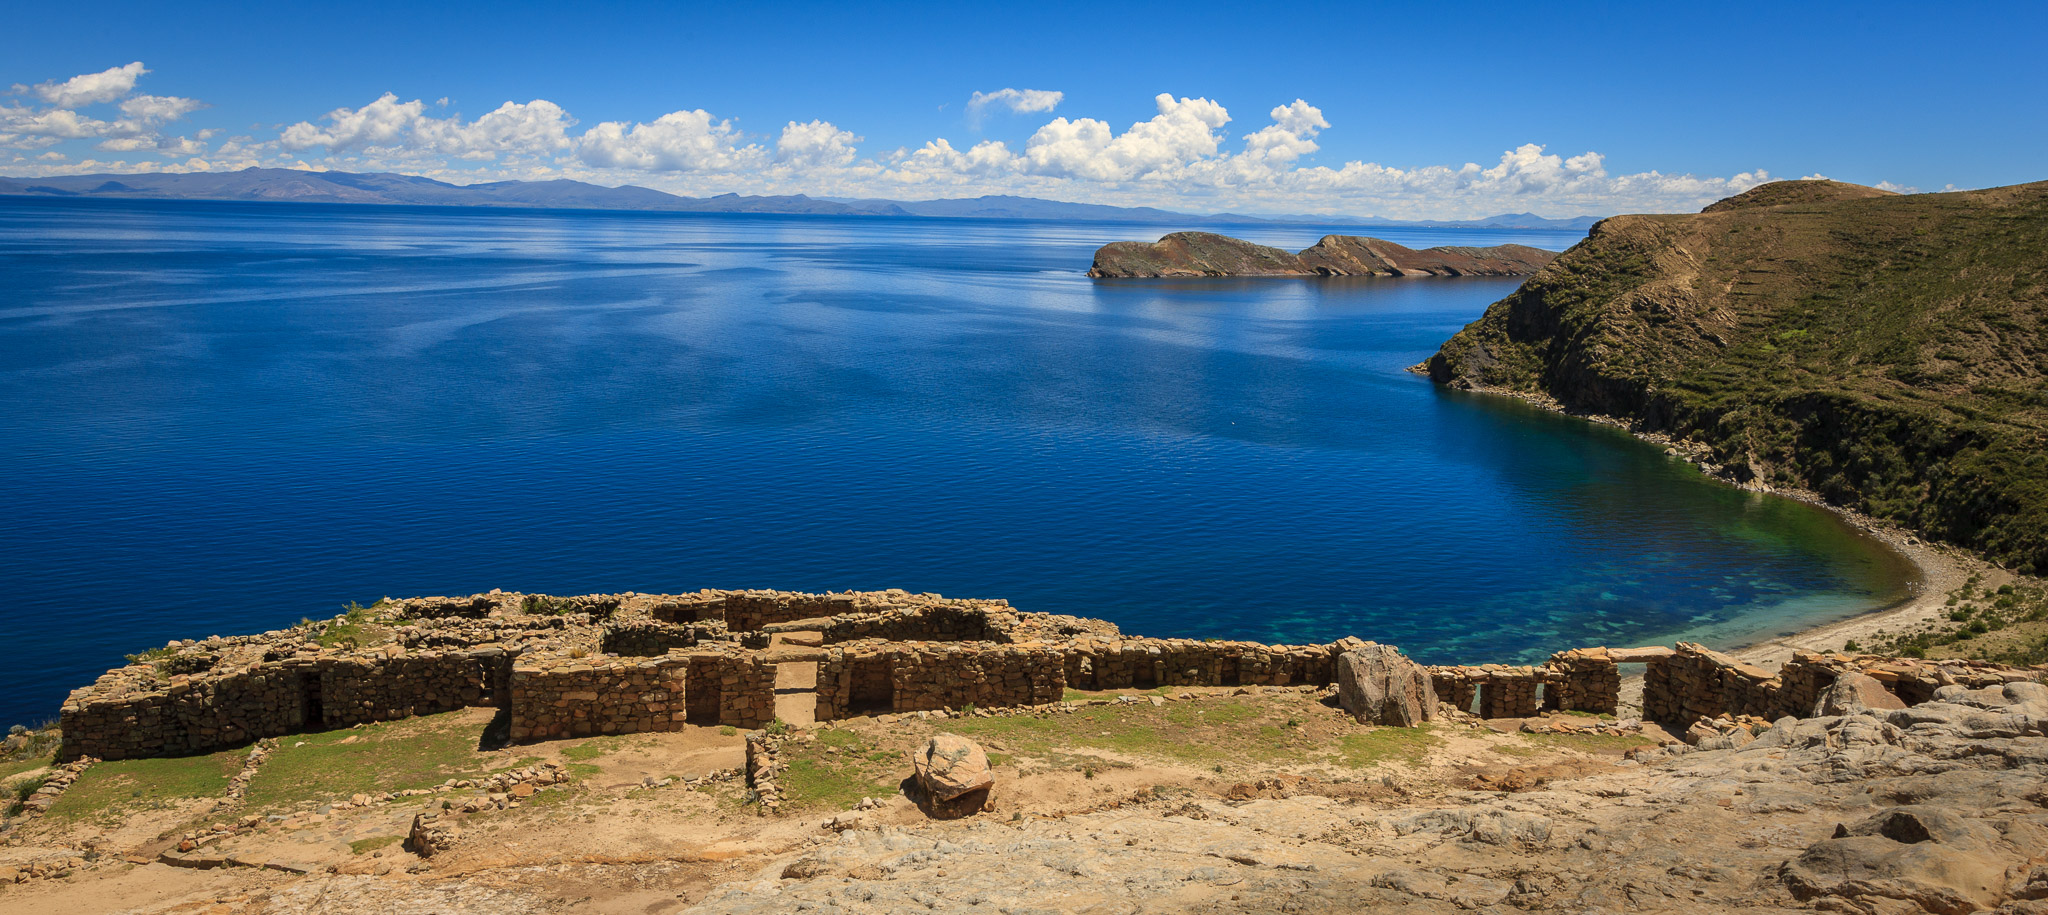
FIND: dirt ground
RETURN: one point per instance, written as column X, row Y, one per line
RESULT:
column 653, row 822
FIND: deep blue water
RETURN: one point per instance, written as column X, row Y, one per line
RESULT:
column 220, row 418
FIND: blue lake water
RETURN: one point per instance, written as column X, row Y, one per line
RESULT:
column 220, row 418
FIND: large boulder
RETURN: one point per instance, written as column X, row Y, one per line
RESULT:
column 954, row 774
column 1379, row 685
column 1854, row 694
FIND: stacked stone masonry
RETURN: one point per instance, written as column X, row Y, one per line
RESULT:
column 632, row 663
column 1683, row 685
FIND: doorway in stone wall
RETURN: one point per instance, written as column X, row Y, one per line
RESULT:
column 1144, row 675
column 312, row 710
column 701, row 695
column 873, row 687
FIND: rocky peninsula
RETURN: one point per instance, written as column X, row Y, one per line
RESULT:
column 1886, row 353
column 1187, row 254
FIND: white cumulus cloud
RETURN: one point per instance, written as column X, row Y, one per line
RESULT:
column 1182, row 132
column 1017, row 101
column 536, row 127
column 394, row 128
column 157, row 109
column 1288, row 138
column 384, row 122
column 53, row 123
column 814, row 145
column 1180, row 158
column 680, row 141
column 88, row 88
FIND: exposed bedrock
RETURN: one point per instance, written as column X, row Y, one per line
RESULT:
column 1209, row 254
column 1935, row 810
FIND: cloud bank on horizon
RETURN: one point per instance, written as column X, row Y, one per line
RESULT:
column 1184, row 157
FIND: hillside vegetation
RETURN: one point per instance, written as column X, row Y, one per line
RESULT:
column 1887, row 352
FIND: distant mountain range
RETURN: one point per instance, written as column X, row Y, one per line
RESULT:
column 292, row 185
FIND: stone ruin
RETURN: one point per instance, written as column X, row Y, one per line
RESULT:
column 560, row 667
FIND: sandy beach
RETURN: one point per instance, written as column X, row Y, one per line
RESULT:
column 1939, row 569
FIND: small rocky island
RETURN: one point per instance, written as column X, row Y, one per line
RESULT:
column 1209, row 254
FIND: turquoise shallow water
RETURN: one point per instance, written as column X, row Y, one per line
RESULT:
column 221, row 418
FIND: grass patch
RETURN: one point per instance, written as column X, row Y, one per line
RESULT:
column 1201, row 733
column 823, row 783
column 389, row 756
column 114, row 788
column 838, row 769
column 1592, row 743
column 22, row 792
column 840, row 740
column 550, row 798
column 2007, row 624
column 598, row 746
column 365, row 846
column 1379, row 746
column 14, row 767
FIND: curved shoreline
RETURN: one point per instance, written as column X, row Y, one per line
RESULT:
column 1938, row 569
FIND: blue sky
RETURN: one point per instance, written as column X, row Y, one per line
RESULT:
column 1412, row 110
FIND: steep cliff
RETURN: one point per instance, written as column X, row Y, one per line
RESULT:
column 1208, row 254
column 1888, row 352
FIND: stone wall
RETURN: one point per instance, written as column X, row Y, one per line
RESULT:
column 1495, row 690
column 746, row 611
column 1146, row 663
column 221, row 709
column 896, row 677
column 704, row 607
column 649, row 638
column 1696, row 682
column 603, row 664
column 938, row 624
column 357, row 690
column 559, row 697
column 1584, row 680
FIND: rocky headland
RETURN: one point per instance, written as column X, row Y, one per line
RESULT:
column 1188, row 254
column 1886, row 353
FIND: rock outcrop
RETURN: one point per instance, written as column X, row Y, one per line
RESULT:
column 1378, row 685
column 1208, row 254
column 1854, row 694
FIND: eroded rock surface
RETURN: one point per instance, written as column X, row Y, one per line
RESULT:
column 1939, row 808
